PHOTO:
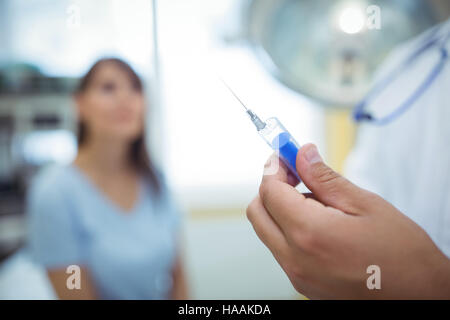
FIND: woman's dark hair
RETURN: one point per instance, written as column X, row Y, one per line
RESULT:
column 137, row 153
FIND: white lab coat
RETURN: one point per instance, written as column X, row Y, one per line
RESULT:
column 407, row 162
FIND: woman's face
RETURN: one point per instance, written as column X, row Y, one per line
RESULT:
column 111, row 107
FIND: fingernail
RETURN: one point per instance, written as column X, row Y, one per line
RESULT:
column 312, row 155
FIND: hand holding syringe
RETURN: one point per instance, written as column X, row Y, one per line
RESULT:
column 276, row 136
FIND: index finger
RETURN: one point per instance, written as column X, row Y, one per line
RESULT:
column 289, row 208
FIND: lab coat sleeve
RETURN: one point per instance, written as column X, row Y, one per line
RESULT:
column 368, row 163
column 53, row 238
column 365, row 164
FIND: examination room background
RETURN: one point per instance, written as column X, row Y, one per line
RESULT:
column 198, row 133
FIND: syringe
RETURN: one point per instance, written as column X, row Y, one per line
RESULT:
column 276, row 136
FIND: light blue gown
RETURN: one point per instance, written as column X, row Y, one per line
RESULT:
column 130, row 255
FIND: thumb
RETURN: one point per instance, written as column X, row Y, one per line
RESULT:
column 328, row 186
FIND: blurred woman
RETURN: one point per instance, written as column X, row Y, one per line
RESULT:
column 109, row 212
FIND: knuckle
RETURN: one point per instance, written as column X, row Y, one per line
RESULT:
column 296, row 238
column 250, row 211
column 309, row 244
column 295, row 271
column 265, row 189
column 371, row 200
column 312, row 203
column 361, row 202
column 305, row 241
column 373, row 197
column 325, row 175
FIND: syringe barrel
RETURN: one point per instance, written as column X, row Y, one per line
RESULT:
column 280, row 140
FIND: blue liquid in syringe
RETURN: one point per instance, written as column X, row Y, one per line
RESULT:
column 288, row 151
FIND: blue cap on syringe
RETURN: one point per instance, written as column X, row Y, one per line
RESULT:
column 276, row 136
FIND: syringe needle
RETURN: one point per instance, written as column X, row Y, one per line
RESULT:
column 234, row 94
column 259, row 124
column 276, row 136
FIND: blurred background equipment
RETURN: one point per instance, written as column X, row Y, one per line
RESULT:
column 329, row 49
column 36, row 128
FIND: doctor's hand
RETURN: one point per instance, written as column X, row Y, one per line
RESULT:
column 343, row 241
